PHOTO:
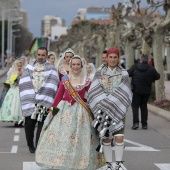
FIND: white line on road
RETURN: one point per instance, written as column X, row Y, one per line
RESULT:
column 17, row 130
column 163, row 166
column 139, row 147
column 146, row 149
column 16, row 138
column 32, row 166
column 14, row 149
column 135, row 143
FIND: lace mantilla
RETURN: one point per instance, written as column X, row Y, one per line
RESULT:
column 81, row 86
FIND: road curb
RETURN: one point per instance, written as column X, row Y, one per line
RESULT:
column 160, row 112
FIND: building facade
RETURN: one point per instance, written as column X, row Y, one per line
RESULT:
column 10, row 8
column 48, row 22
column 94, row 14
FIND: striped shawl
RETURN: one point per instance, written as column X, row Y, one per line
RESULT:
column 115, row 104
column 45, row 94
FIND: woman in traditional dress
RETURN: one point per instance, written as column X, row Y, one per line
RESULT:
column 24, row 61
column 109, row 98
column 51, row 58
column 6, row 87
column 4, row 90
column 69, row 142
column 11, row 107
column 63, row 63
column 90, row 70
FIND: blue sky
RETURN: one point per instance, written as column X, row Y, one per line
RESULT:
column 66, row 9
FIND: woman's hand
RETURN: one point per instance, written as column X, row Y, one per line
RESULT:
column 51, row 115
column 50, row 112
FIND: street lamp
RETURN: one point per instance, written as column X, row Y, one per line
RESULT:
column 11, row 39
column 15, row 36
column 3, row 28
column 10, row 24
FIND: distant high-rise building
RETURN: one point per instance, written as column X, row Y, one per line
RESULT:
column 53, row 27
column 48, row 22
column 81, row 14
column 24, row 16
column 93, row 14
column 7, row 5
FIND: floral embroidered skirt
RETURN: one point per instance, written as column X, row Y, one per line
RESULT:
column 4, row 91
column 69, row 142
column 11, row 106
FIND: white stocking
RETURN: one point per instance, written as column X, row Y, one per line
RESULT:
column 119, row 148
column 107, row 149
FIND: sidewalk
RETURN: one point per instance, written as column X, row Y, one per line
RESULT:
column 3, row 71
column 158, row 111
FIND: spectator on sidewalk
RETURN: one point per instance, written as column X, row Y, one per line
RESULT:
column 151, row 58
column 143, row 75
column 38, row 86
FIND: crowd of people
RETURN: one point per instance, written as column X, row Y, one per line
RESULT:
column 80, row 110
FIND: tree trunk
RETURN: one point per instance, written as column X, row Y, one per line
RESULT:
column 81, row 49
column 145, row 48
column 158, row 61
column 130, row 54
column 168, row 58
column 100, row 53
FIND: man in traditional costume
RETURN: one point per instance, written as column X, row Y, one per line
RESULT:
column 38, row 86
column 109, row 98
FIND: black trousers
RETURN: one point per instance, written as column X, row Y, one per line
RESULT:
column 29, row 130
column 140, row 101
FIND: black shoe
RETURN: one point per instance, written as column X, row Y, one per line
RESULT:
column 109, row 166
column 144, row 127
column 32, row 149
column 119, row 165
column 20, row 125
column 16, row 124
column 135, row 126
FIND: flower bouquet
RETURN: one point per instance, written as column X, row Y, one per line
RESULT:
column 14, row 79
column 49, row 118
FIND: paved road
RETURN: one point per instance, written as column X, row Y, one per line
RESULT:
column 145, row 149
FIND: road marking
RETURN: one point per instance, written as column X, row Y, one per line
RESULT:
column 14, row 149
column 139, row 147
column 32, row 166
column 16, row 138
column 163, row 166
column 17, row 130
